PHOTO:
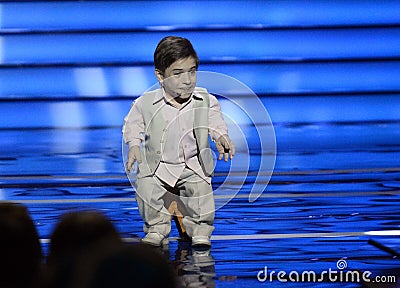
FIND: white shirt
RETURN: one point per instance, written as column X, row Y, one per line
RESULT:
column 178, row 145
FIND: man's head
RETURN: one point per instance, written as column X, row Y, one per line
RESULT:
column 171, row 49
column 176, row 63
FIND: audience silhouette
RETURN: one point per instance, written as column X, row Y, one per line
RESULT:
column 75, row 233
column 20, row 248
column 85, row 251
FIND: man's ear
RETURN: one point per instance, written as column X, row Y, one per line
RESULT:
column 159, row 75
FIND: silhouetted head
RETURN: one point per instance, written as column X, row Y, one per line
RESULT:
column 74, row 234
column 20, row 249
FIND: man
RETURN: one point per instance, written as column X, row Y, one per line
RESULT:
column 167, row 132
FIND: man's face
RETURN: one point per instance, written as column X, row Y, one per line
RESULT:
column 179, row 79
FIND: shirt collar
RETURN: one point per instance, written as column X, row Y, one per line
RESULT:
column 160, row 95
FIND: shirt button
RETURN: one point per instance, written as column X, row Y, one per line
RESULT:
column 158, row 152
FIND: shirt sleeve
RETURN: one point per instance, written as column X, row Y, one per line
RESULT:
column 217, row 125
column 133, row 128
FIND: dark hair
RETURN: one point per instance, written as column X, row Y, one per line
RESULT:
column 74, row 234
column 20, row 249
column 171, row 49
column 77, row 230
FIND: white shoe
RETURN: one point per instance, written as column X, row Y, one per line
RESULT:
column 155, row 239
column 201, row 240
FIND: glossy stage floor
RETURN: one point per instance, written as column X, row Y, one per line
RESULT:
column 333, row 200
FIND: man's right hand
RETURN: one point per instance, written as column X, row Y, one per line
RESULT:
column 133, row 155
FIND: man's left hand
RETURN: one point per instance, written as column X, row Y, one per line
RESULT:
column 225, row 147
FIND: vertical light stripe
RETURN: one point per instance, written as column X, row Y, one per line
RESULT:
column 90, row 82
column 3, row 195
column 110, row 113
column 1, row 16
column 90, row 165
column 2, row 52
column 133, row 81
column 66, row 142
column 68, row 115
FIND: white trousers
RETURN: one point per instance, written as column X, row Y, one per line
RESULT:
column 191, row 191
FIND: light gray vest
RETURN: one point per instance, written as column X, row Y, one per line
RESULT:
column 155, row 127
